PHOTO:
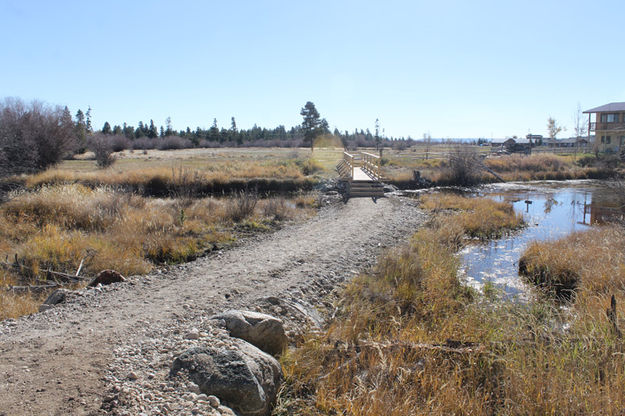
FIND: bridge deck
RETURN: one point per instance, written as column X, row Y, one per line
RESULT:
column 361, row 175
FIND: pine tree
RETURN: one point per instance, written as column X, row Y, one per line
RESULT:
column 313, row 125
column 152, row 131
column 88, row 120
column 80, row 128
column 106, row 129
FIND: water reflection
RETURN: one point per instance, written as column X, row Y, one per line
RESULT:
column 551, row 211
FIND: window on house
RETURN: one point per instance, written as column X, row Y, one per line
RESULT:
column 622, row 141
column 608, row 139
column 609, row 118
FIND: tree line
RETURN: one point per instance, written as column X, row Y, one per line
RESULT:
column 36, row 135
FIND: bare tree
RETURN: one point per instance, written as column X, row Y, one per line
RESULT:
column 464, row 165
column 553, row 127
column 34, row 136
column 579, row 123
column 427, row 139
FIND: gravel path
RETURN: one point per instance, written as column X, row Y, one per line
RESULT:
column 108, row 350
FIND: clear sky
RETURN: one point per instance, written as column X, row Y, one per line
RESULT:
column 453, row 68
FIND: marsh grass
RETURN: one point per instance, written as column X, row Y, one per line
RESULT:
column 510, row 167
column 477, row 217
column 410, row 339
column 588, row 263
column 59, row 226
column 176, row 180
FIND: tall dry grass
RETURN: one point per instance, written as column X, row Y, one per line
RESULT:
column 59, row 227
column 478, row 217
column 410, row 339
column 589, row 263
column 514, row 167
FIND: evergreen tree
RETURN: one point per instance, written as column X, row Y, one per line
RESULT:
column 88, row 120
column 152, row 131
column 312, row 124
column 80, row 128
column 140, row 131
column 106, row 129
column 213, row 132
column 129, row 131
column 169, row 131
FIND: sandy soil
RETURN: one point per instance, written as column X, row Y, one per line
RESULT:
column 70, row 359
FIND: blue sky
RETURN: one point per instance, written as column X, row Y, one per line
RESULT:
column 451, row 68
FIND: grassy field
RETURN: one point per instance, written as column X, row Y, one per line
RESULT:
column 400, row 165
column 207, row 165
column 409, row 338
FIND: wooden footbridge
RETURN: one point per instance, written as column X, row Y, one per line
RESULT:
column 361, row 171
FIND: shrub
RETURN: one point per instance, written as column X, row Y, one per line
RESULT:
column 277, row 209
column 33, row 137
column 173, row 142
column 242, row 205
column 144, row 143
column 119, row 143
column 463, row 167
column 308, row 166
column 101, row 147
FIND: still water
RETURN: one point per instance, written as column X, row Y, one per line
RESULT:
column 551, row 210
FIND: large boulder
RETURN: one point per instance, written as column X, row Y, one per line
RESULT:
column 244, row 377
column 264, row 331
column 107, row 277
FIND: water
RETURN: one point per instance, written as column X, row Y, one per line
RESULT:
column 556, row 210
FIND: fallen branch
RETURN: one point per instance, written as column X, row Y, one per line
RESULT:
column 64, row 276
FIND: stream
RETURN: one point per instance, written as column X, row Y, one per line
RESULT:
column 551, row 210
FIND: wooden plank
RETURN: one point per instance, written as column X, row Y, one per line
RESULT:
column 360, row 175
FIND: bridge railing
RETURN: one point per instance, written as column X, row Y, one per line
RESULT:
column 371, row 165
column 346, row 166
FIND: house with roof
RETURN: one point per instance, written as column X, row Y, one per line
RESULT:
column 609, row 126
column 580, row 142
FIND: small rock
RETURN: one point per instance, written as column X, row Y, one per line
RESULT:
column 192, row 334
column 44, row 307
column 194, row 388
column 226, row 411
column 132, row 376
column 214, row 401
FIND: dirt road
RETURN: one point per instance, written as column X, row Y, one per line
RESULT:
column 69, row 359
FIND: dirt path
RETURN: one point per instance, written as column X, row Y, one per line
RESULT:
column 69, row 359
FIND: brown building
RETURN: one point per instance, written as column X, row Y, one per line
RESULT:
column 609, row 126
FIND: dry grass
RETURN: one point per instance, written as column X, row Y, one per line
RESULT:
column 478, row 218
column 57, row 227
column 389, row 350
column 510, row 167
column 206, row 170
column 591, row 263
column 13, row 305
